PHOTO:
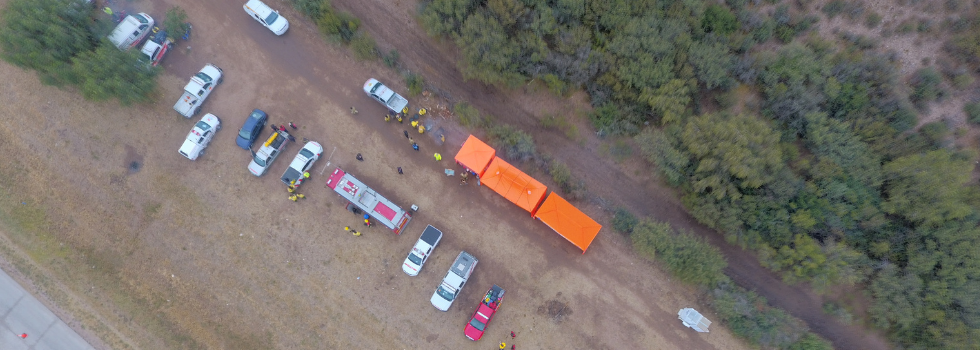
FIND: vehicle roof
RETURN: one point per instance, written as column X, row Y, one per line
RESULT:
column 453, row 280
column 259, row 7
column 127, row 26
column 463, row 264
column 299, row 161
column 485, row 311
column 430, row 235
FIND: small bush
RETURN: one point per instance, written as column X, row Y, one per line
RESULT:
column 313, row 9
column 872, row 20
column 962, row 79
column 834, row 8
column 516, row 144
column 624, row 221
column 569, row 185
column 468, row 115
column 415, row 83
column 686, row 256
column 391, row 59
column 749, row 316
column 338, row 24
column 972, row 110
column 555, row 85
column 175, row 22
column 364, row 47
column 906, row 27
column 838, row 312
column 925, row 86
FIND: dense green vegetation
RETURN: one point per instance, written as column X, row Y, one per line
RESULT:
column 64, row 43
column 824, row 176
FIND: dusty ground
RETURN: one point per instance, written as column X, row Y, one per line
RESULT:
column 145, row 249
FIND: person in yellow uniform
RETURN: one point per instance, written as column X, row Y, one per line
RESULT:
column 438, row 156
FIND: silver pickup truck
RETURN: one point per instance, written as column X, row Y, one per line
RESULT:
column 381, row 93
column 458, row 274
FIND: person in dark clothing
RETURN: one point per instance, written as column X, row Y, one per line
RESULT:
column 400, row 171
column 291, row 125
column 291, row 138
column 359, row 157
column 274, row 128
column 406, row 133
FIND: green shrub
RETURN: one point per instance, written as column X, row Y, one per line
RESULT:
column 364, row 47
column 925, row 86
column 811, row 341
column 749, row 316
column 415, row 83
column 517, row 145
column 555, row 85
column 338, row 24
column 175, row 22
column 391, row 59
column 624, row 221
column 468, row 115
column 560, row 173
column 834, row 8
column 972, row 110
column 962, row 79
column 718, row 19
column 313, row 8
column 872, row 20
column 686, row 256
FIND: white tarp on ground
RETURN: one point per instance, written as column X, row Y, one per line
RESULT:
column 693, row 319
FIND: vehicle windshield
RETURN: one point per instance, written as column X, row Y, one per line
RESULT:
column 204, row 77
column 258, row 160
column 445, row 294
column 272, row 18
column 306, row 153
column 376, row 87
column 415, row 258
column 203, row 126
column 477, row 324
column 142, row 19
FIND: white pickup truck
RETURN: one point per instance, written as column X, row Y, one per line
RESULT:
column 458, row 274
column 270, row 150
column 381, row 93
column 198, row 89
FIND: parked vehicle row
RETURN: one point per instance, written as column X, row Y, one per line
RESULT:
column 133, row 29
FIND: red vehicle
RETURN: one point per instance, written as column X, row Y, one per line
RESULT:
column 488, row 306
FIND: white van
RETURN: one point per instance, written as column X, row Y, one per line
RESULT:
column 131, row 31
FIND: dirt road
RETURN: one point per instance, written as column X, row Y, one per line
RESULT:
column 170, row 253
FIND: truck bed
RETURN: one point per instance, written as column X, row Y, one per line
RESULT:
column 291, row 175
column 431, row 235
column 186, row 103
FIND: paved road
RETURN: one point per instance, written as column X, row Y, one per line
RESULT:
column 21, row 313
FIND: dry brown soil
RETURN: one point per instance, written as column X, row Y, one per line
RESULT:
column 142, row 248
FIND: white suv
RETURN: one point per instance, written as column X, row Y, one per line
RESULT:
column 267, row 16
column 200, row 136
column 458, row 274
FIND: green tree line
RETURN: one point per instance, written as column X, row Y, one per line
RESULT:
column 824, row 176
column 64, row 42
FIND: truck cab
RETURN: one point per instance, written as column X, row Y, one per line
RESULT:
column 270, row 150
column 453, row 283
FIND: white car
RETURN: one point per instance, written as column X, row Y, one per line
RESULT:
column 200, row 136
column 301, row 163
column 422, row 250
column 267, row 16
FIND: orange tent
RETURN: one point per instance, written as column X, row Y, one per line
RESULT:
column 475, row 155
column 514, row 184
column 568, row 221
